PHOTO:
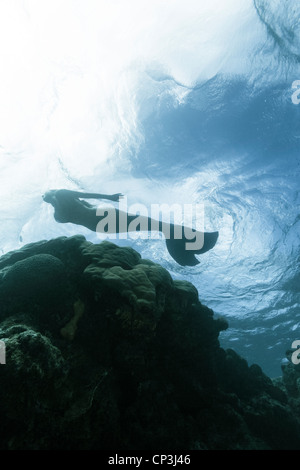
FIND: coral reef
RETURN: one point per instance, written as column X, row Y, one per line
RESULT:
column 104, row 350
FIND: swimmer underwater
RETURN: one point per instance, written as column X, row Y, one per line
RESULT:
column 69, row 207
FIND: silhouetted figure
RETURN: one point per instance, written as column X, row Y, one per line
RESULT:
column 69, row 207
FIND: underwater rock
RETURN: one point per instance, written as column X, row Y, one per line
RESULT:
column 69, row 330
column 138, row 285
column 34, row 374
column 104, row 350
column 107, row 255
column 40, row 277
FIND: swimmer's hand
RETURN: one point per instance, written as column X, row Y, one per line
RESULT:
column 49, row 196
column 116, row 197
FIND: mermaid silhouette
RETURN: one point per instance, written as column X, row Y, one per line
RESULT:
column 69, row 207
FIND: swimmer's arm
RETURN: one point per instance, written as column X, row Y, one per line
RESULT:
column 78, row 194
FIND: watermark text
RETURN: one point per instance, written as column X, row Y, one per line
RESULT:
column 137, row 221
column 296, row 94
column 2, row 352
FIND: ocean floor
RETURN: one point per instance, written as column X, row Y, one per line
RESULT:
column 105, row 351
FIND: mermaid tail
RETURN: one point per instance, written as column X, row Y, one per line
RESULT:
column 184, row 257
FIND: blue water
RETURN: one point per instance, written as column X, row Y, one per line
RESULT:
column 168, row 102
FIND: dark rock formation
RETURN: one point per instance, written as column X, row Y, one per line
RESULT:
column 105, row 351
